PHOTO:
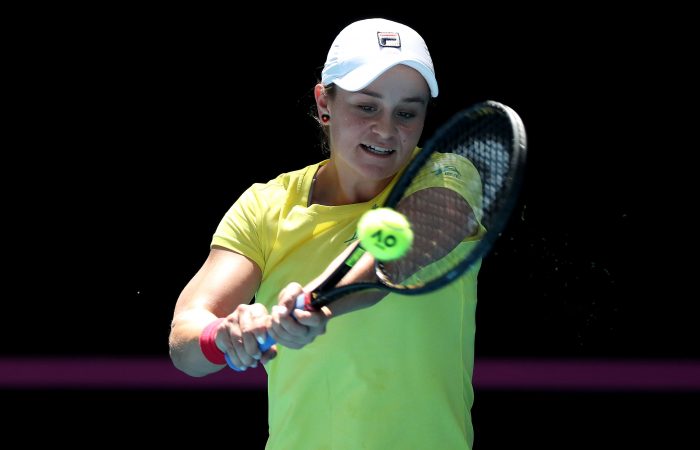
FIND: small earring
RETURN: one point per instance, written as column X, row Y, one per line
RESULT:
column 325, row 118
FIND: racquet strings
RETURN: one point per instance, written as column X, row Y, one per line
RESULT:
column 457, row 195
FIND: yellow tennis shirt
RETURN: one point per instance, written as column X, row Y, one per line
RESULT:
column 394, row 376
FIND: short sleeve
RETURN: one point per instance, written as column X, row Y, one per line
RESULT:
column 453, row 172
column 239, row 230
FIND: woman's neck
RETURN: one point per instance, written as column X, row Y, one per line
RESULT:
column 330, row 188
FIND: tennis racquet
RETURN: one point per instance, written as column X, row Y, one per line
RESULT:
column 457, row 193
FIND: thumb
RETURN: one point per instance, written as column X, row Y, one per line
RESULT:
column 314, row 318
column 288, row 295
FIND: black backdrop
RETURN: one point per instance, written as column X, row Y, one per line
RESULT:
column 131, row 132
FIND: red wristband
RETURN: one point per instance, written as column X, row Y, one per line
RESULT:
column 207, row 342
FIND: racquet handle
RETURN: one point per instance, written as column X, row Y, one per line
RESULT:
column 301, row 301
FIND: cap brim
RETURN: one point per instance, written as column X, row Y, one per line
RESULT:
column 364, row 75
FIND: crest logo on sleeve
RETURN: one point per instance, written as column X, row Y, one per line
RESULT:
column 447, row 170
column 389, row 39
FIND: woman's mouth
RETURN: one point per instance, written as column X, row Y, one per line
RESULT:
column 375, row 150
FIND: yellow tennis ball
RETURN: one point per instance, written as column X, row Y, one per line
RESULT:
column 385, row 233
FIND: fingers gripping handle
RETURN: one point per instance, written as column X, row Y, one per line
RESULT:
column 302, row 302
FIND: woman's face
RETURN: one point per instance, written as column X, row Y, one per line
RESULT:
column 373, row 132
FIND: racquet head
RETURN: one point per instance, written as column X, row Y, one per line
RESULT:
column 457, row 193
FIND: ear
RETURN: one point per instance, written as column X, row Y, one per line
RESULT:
column 321, row 99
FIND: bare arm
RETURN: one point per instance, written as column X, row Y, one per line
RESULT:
column 222, row 287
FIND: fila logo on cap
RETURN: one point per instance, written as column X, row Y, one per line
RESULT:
column 388, row 39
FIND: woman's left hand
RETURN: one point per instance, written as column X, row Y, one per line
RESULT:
column 299, row 328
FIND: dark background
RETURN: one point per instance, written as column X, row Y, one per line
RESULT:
column 130, row 131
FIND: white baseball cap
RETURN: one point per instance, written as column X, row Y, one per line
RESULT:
column 365, row 49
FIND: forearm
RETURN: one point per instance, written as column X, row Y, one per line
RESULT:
column 356, row 301
column 185, row 351
column 362, row 271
